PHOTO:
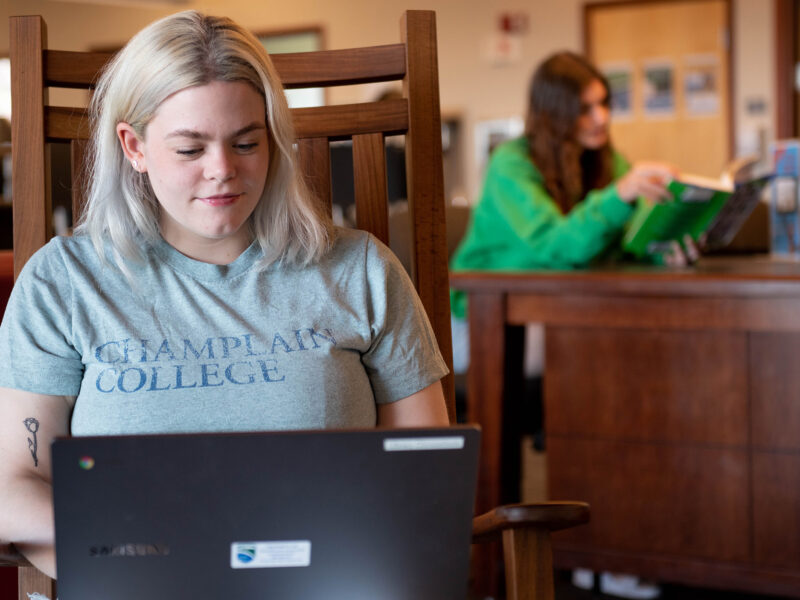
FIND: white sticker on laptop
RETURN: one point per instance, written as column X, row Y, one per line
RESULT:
column 270, row 555
column 448, row 442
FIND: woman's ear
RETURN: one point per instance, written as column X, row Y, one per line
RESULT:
column 132, row 146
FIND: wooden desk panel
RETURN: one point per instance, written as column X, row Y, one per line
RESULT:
column 775, row 389
column 776, row 510
column 652, row 385
column 638, row 494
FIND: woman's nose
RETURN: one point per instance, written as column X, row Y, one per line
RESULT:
column 601, row 115
column 220, row 166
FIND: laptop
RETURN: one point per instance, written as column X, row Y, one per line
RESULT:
column 368, row 514
column 730, row 219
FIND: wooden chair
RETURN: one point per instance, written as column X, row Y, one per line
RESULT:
column 524, row 530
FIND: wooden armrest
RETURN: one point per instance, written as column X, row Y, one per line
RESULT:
column 10, row 557
column 525, row 532
column 546, row 516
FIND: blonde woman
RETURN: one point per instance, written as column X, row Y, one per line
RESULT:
column 203, row 290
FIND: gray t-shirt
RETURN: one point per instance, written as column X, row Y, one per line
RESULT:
column 192, row 346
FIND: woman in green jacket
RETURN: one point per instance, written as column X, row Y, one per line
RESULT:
column 560, row 196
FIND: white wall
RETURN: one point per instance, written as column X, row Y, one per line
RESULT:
column 754, row 59
column 470, row 85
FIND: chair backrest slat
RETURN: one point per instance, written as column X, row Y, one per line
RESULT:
column 334, row 122
column 426, row 185
column 63, row 68
column 31, row 205
column 341, row 67
column 342, row 121
column 63, row 124
column 369, row 177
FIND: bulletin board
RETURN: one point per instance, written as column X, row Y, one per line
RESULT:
column 669, row 67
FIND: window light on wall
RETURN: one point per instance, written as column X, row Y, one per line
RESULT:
column 5, row 88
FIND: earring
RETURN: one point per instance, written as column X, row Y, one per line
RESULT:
column 135, row 165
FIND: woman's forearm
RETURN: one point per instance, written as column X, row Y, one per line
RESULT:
column 26, row 520
column 29, row 423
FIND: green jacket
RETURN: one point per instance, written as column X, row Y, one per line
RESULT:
column 517, row 225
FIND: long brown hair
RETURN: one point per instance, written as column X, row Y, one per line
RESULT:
column 554, row 105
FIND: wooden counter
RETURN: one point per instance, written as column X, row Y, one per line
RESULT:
column 672, row 406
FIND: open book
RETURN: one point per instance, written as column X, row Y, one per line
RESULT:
column 700, row 206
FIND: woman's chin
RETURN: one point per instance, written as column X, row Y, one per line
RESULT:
column 595, row 142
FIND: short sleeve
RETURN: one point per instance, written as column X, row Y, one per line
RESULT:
column 403, row 357
column 36, row 347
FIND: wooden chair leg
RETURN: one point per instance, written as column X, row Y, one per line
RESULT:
column 32, row 580
column 528, row 564
column 525, row 530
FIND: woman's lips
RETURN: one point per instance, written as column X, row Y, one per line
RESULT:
column 220, row 199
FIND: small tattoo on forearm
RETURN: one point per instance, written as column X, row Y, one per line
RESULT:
column 32, row 425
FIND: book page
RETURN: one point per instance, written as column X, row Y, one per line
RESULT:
column 705, row 182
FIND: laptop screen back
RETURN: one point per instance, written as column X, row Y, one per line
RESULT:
column 372, row 514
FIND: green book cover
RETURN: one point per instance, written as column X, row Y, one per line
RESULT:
column 691, row 210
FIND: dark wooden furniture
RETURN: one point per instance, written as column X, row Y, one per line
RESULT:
column 524, row 530
column 6, row 277
column 672, row 406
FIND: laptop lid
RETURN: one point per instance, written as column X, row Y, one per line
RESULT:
column 378, row 514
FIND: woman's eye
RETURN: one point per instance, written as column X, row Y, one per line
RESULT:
column 246, row 147
column 188, row 151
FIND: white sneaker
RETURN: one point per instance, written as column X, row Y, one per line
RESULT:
column 628, row 586
column 583, row 578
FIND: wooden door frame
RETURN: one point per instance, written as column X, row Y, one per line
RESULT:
column 786, row 14
column 603, row 4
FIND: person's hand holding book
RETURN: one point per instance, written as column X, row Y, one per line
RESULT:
column 683, row 255
column 648, row 180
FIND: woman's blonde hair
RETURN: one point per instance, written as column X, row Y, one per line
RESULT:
column 180, row 51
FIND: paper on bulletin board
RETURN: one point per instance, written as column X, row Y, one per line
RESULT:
column 620, row 82
column 658, row 88
column 701, row 74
